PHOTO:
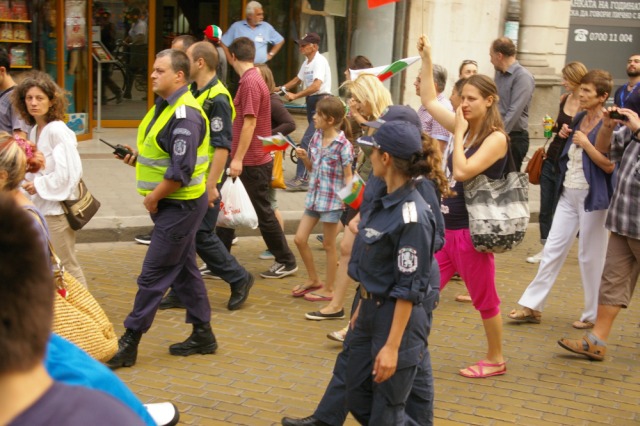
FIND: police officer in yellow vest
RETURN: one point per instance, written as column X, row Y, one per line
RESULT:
column 171, row 168
column 218, row 106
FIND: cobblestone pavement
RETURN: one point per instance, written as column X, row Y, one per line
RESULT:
column 272, row 362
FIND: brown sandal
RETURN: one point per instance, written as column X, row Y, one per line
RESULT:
column 525, row 315
column 583, row 325
column 584, row 347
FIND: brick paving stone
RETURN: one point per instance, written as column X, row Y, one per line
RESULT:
column 272, row 362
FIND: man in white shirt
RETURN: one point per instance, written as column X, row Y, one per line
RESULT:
column 315, row 76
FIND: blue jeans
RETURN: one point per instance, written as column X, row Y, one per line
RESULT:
column 549, row 190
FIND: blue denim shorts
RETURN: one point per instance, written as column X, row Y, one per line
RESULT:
column 332, row 216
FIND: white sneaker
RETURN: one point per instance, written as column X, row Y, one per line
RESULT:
column 536, row 258
column 164, row 413
column 234, row 241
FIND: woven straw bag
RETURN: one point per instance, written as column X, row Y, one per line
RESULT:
column 78, row 317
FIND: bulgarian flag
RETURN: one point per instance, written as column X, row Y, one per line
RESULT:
column 352, row 194
column 274, row 143
column 386, row 71
column 397, row 67
column 376, row 3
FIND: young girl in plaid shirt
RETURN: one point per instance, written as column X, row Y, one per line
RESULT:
column 328, row 160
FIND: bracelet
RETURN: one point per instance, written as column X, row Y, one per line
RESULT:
column 634, row 135
column 270, row 54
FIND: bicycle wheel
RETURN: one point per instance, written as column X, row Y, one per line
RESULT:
column 293, row 155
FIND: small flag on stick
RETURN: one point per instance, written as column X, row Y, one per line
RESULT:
column 274, row 143
column 397, row 67
column 386, row 71
column 352, row 194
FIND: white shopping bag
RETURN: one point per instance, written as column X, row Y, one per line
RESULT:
column 236, row 208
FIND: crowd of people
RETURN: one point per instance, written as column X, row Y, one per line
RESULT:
column 402, row 245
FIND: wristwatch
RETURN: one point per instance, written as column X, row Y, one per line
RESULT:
column 634, row 135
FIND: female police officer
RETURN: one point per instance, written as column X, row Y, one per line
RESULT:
column 391, row 259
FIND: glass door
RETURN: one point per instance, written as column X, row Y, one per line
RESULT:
column 125, row 29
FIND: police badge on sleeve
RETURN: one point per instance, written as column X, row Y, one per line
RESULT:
column 216, row 124
column 407, row 260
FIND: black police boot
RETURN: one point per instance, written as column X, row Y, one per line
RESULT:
column 240, row 293
column 307, row 421
column 171, row 301
column 201, row 341
column 127, row 350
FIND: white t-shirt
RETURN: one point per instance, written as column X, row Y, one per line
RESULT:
column 318, row 69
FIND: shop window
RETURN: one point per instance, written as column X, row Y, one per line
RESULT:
column 123, row 28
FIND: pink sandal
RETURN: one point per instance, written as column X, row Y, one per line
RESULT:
column 477, row 370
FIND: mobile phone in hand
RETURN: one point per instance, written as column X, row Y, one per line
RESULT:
column 118, row 150
column 617, row 116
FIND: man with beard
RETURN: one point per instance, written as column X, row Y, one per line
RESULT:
column 628, row 95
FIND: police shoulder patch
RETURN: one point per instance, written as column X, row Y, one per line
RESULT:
column 216, row 124
column 407, row 260
column 180, row 147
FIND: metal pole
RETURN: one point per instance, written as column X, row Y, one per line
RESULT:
column 99, row 100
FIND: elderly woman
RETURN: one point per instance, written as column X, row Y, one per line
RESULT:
column 586, row 190
column 572, row 73
column 42, row 104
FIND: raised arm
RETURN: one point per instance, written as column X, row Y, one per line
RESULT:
column 428, row 94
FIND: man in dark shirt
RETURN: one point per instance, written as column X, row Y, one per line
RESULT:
column 30, row 395
column 515, row 89
column 171, row 168
column 628, row 95
column 217, row 105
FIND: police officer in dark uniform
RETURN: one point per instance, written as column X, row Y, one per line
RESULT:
column 332, row 410
column 391, row 259
column 218, row 106
column 171, row 167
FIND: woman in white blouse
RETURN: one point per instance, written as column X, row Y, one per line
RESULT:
column 42, row 104
column 585, row 194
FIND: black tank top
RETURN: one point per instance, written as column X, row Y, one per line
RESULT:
column 454, row 208
column 555, row 147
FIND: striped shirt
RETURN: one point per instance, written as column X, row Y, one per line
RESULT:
column 624, row 209
column 327, row 173
column 252, row 99
column 430, row 126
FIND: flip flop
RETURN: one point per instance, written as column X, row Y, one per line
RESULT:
column 477, row 370
column 315, row 297
column 301, row 290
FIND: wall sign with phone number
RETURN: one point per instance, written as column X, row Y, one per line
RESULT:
column 611, row 37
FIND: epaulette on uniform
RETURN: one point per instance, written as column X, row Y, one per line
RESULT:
column 181, row 111
column 409, row 212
